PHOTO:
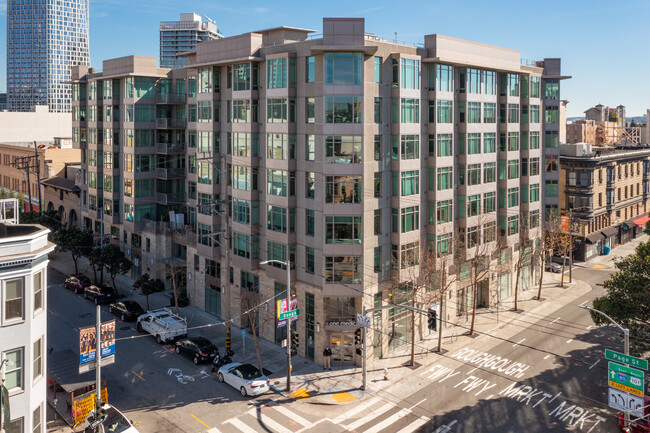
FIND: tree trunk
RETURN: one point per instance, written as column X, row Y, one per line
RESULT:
column 75, row 259
column 474, row 291
column 563, row 267
column 251, row 321
column 174, row 287
column 113, row 280
column 412, row 338
column 541, row 277
column 94, row 272
column 517, row 285
column 146, row 296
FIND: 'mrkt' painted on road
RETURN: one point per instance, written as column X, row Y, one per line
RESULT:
column 494, row 362
column 573, row 415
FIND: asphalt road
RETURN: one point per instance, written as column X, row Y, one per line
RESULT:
column 550, row 377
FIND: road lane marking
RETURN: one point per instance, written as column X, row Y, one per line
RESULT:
column 417, row 404
column 489, row 396
column 414, row 425
column 471, row 371
column 547, row 356
column 594, row 364
column 388, row 421
column 213, row 430
column 354, row 411
column 517, row 344
column 569, row 340
column 589, row 327
column 292, row 416
column 142, row 378
column 598, row 267
column 194, row 416
column 370, row 416
column 268, row 421
column 555, row 320
column 237, row 423
column 583, row 304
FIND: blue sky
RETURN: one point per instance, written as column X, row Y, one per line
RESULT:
column 602, row 43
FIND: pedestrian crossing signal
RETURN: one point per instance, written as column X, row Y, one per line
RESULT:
column 432, row 319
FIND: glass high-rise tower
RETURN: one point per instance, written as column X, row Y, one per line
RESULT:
column 44, row 39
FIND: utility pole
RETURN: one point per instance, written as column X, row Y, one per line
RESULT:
column 226, row 215
column 98, row 363
column 364, row 357
column 38, row 179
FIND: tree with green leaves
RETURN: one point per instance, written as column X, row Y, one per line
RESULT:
column 21, row 200
column 115, row 261
column 78, row 242
column 627, row 300
column 646, row 229
column 3, row 193
column 49, row 219
column 147, row 286
column 95, row 260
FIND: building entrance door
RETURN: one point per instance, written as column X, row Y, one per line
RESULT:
column 342, row 344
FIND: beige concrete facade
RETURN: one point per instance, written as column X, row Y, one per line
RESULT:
column 18, row 127
column 607, row 191
column 61, row 193
column 350, row 172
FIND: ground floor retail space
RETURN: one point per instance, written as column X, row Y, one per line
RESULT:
column 602, row 242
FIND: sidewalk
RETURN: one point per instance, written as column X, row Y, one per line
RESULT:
column 607, row 262
column 341, row 385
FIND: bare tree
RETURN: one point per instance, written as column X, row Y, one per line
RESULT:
column 251, row 301
column 445, row 278
column 543, row 253
column 524, row 259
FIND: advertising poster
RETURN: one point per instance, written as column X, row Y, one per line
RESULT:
column 108, row 338
column 282, row 308
column 87, row 343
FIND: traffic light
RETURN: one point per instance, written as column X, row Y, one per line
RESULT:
column 357, row 336
column 432, row 319
column 295, row 340
column 359, row 351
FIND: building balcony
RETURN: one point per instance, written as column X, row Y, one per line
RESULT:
column 171, row 123
column 170, row 173
column 170, row 98
column 170, row 148
column 163, row 198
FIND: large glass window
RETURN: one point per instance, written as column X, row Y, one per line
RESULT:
column 343, row 230
column 444, row 212
column 343, row 68
column 205, row 80
column 377, row 65
column 244, row 212
column 410, row 146
column 473, row 174
column 14, row 303
column 410, row 219
column 445, row 111
column 445, row 78
column 240, row 110
column 534, row 87
column 280, row 146
column 280, row 219
column 410, row 110
column 473, row 143
column 244, row 245
column 243, row 178
column 473, row 80
column 280, row 110
column 444, row 145
column 552, row 89
column 345, row 149
column 277, row 251
column 14, row 373
column 444, row 178
column 513, row 197
column 343, row 189
column 489, row 202
column 311, row 69
column 409, row 74
column 277, row 182
column 343, row 269
column 343, row 109
column 513, row 85
column 241, row 76
column 410, row 183
column 37, row 356
column 513, row 169
column 276, row 71
column 243, row 143
column 38, row 291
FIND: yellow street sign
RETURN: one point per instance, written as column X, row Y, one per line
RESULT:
column 626, row 388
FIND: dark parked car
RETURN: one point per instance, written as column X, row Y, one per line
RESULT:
column 77, row 282
column 126, row 310
column 198, row 349
column 100, row 294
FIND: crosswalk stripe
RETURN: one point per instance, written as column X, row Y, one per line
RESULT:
column 370, row 416
column 388, row 421
column 213, row 430
column 292, row 416
column 237, row 423
column 414, row 425
column 354, row 411
column 267, row 420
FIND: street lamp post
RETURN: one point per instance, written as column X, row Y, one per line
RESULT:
column 288, row 266
column 626, row 345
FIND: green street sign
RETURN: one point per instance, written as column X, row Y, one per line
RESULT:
column 625, row 376
column 290, row 314
column 626, row 359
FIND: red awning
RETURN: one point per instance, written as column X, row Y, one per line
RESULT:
column 642, row 220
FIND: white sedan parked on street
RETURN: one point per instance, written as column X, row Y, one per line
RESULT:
column 244, row 377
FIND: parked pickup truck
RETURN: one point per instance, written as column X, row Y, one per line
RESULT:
column 163, row 324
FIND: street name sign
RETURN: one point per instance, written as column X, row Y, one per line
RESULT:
column 290, row 314
column 625, row 402
column 626, row 359
column 625, row 378
column 363, row 320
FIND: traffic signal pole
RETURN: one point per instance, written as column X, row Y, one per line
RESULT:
column 364, row 363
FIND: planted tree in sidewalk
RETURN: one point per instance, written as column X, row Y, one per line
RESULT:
column 49, row 219
column 444, row 277
column 78, row 242
column 251, row 303
column 478, row 251
column 176, row 268
column 147, row 286
column 548, row 243
column 627, row 299
column 524, row 259
column 646, row 228
column 115, row 261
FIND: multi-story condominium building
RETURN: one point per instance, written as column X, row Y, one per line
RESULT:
column 23, row 328
column 44, row 39
column 3, row 101
column 605, row 191
column 348, row 155
column 182, row 36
